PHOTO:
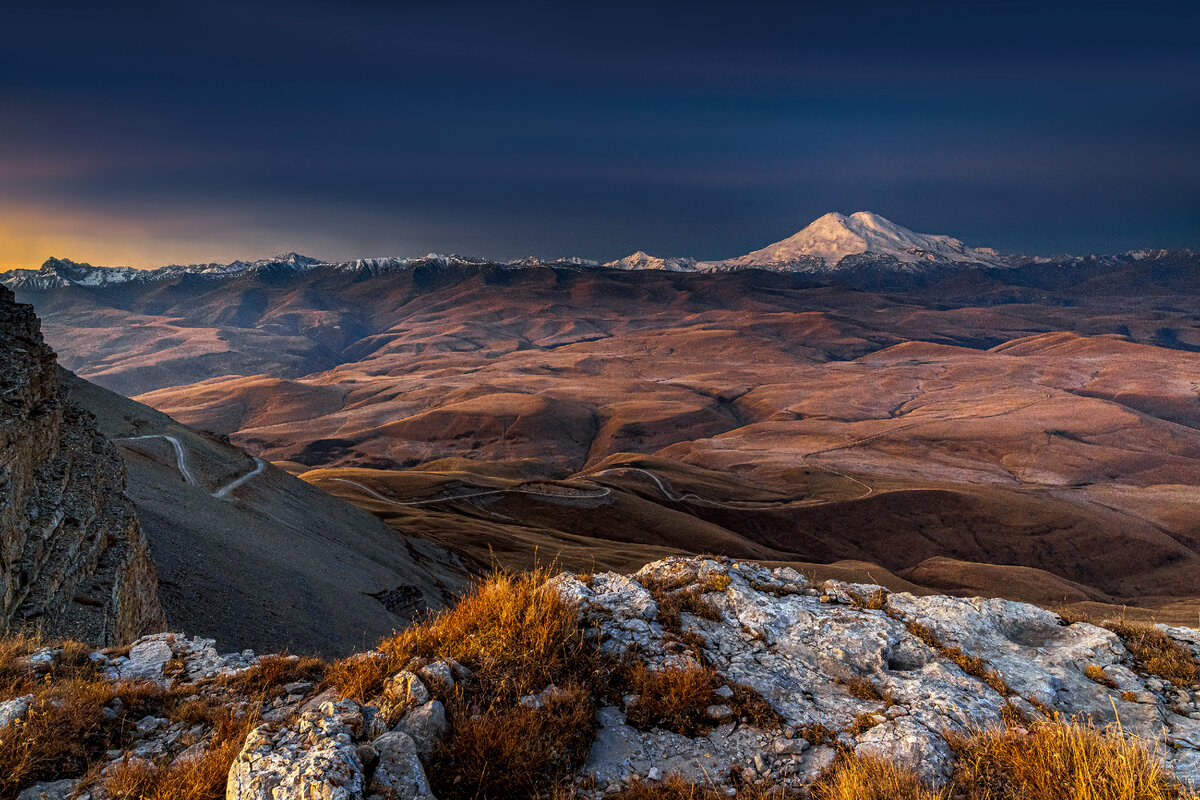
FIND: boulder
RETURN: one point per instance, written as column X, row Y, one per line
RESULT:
column 426, row 725
column 314, row 758
column 399, row 774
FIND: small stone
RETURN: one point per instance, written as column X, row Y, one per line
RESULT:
column 438, row 674
column 719, row 713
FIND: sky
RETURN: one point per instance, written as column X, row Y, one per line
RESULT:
column 164, row 132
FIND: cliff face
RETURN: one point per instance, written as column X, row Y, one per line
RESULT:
column 72, row 559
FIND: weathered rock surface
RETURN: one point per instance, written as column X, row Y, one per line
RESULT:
column 312, row 757
column 399, row 772
column 72, row 559
column 800, row 647
column 840, row 666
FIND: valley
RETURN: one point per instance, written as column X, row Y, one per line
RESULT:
column 902, row 410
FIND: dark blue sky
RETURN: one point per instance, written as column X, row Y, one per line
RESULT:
column 156, row 132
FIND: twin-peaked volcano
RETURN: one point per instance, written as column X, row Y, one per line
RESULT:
column 823, row 244
column 833, row 237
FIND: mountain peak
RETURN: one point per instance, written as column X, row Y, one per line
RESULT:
column 643, row 260
column 824, row 242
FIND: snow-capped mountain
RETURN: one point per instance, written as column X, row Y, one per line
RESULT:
column 642, row 260
column 59, row 272
column 834, row 244
column 825, row 242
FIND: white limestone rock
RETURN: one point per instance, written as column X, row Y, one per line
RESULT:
column 399, row 774
column 14, row 710
column 776, row 636
column 312, row 759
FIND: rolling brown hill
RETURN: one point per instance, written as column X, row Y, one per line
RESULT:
column 1030, row 432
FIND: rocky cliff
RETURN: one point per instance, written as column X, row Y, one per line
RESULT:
column 795, row 676
column 72, row 559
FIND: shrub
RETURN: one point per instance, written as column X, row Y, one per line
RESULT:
column 675, row 698
column 510, row 751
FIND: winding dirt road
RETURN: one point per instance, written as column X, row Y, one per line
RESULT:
column 186, row 472
column 603, row 491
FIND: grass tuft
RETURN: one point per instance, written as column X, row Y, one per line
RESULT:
column 1096, row 674
column 505, row 751
column 1155, row 653
column 676, row 699
column 853, row 777
column 971, row 665
column 516, row 636
column 1060, row 761
column 864, row 689
column 267, row 678
column 675, row 597
column 200, row 777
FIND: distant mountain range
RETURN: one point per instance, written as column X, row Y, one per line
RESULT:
column 831, row 244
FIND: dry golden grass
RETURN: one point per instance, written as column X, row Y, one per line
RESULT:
column 1156, row 653
column 864, row 722
column 752, row 707
column 268, row 677
column 855, row 778
column 1059, row 761
column 817, row 734
column 16, row 676
column 64, row 730
column 971, row 665
column 875, row 600
column 675, row 597
column 1096, row 674
column 517, row 638
column 862, row 688
column 510, row 751
column 674, row 787
column 1012, row 716
column 675, row 698
column 514, row 635
column 200, row 778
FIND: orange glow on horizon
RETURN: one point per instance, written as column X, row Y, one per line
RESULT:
column 28, row 238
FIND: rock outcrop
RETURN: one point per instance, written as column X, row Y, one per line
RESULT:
column 832, row 667
column 72, row 559
column 934, row 665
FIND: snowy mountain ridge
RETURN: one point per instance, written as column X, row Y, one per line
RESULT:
column 833, row 242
